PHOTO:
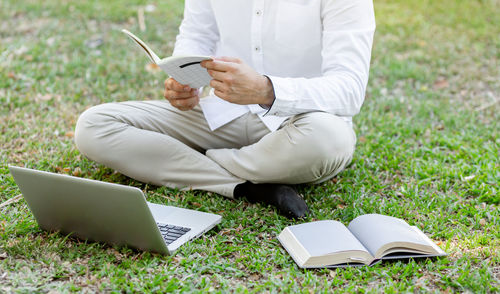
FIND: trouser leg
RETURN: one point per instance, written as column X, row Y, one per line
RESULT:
column 308, row 148
column 155, row 143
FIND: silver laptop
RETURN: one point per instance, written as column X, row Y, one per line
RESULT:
column 107, row 212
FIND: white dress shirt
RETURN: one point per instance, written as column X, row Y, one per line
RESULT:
column 315, row 52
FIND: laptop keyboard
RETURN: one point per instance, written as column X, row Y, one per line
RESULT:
column 170, row 233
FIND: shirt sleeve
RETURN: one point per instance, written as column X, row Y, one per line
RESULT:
column 348, row 29
column 198, row 32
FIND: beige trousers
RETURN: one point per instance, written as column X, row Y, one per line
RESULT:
column 153, row 142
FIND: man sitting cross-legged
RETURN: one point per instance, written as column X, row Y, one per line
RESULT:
column 292, row 75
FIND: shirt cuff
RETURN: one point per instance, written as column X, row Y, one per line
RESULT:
column 267, row 107
column 283, row 102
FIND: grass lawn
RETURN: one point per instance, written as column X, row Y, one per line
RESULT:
column 427, row 152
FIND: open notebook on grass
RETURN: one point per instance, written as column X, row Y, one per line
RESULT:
column 184, row 69
column 368, row 239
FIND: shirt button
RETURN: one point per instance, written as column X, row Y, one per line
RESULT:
column 258, row 12
column 257, row 48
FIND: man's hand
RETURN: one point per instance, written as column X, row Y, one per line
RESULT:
column 236, row 82
column 181, row 96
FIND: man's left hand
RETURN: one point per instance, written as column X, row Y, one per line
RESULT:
column 236, row 82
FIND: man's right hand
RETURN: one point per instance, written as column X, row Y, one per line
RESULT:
column 180, row 96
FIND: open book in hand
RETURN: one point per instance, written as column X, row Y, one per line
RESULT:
column 184, row 69
column 368, row 239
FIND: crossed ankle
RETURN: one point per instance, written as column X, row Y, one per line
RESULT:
column 283, row 197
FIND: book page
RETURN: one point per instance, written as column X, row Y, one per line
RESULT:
column 405, row 253
column 375, row 231
column 325, row 237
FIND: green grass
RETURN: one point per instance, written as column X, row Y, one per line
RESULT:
column 427, row 152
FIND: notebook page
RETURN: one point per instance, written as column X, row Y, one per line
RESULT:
column 154, row 58
column 187, row 70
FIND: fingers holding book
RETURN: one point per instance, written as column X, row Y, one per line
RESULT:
column 237, row 82
column 180, row 96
